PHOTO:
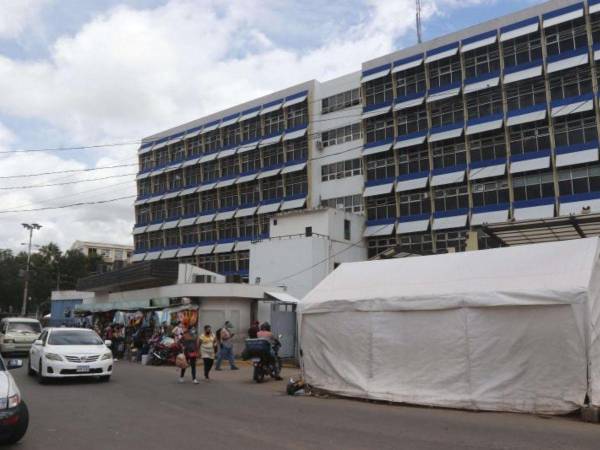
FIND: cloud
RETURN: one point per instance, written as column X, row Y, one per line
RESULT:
column 19, row 15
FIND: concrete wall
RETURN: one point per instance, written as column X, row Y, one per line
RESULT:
column 215, row 311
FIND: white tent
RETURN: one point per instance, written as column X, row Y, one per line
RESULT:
column 511, row 329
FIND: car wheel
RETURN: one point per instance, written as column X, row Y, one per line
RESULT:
column 105, row 378
column 30, row 370
column 20, row 428
column 41, row 377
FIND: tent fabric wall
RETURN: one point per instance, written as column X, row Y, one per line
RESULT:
column 509, row 329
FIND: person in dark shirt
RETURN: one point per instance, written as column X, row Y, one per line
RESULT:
column 253, row 330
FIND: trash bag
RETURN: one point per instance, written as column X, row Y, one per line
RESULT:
column 294, row 387
column 181, row 361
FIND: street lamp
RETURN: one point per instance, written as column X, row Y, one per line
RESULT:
column 30, row 227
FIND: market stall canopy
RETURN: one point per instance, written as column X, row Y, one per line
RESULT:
column 509, row 329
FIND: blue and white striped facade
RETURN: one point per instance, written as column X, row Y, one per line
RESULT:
column 492, row 123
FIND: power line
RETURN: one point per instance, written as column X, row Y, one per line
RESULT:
column 98, row 202
column 34, row 186
column 91, row 169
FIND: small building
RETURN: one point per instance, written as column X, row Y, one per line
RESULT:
column 114, row 256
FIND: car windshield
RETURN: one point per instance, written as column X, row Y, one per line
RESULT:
column 74, row 337
column 24, row 327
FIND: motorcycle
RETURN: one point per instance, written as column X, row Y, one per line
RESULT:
column 264, row 357
column 164, row 351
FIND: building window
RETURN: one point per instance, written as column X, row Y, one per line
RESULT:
column 272, row 155
column 415, row 204
column 296, row 183
column 381, row 207
column 212, row 140
column 250, row 129
column 193, row 176
column 449, row 153
column 487, row 146
column 413, row 160
column 162, row 157
column 143, row 215
column 227, row 229
column 570, row 83
column 381, row 167
column 484, row 103
column 177, row 152
column 451, row 198
column 341, row 169
column 140, row 242
column 146, row 162
column 450, row 241
column 228, row 196
column 174, row 208
column 172, row 237
column 155, row 239
column 208, row 201
column 297, row 115
column 380, row 128
column 296, row 150
column 226, row 263
column 482, row 60
column 272, row 188
column 194, row 146
column 144, row 187
column 249, row 193
column 175, row 180
column 566, row 36
column 379, row 91
column 347, row 234
column 210, row 171
column 340, row 101
column 158, row 211
column 159, row 184
column 534, row 186
column 350, row 203
column 250, row 161
column 446, row 112
column 411, row 121
column 531, row 137
column 191, row 205
column 274, row 122
column 208, row 262
column 229, row 166
column 380, row 244
column 415, row 244
column 522, row 50
column 490, row 193
column 248, row 227
column 189, row 235
column 340, row 135
column 410, row 81
column 232, row 135
column 445, row 71
column 264, row 220
column 579, row 180
column 525, row 93
column 595, row 20
column 243, row 261
column 575, row 129
column 208, row 232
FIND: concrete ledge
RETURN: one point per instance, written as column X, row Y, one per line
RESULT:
column 590, row 414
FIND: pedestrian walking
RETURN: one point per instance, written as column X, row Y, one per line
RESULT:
column 189, row 347
column 208, row 346
column 226, row 347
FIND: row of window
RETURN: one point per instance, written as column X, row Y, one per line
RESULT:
column 349, row 203
column 340, row 135
column 419, row 243
column 340, row 101
column 341, row 169
column 223, row 263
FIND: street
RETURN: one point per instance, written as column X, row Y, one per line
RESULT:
column 145, row 407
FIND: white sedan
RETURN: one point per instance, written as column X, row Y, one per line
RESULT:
column 70, row 352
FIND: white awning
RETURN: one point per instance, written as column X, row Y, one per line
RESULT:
column 411, row 185
column 483, row 84
column 526, row 117
column 484, row 126
column 141, row 176
column 377, row 149
column 191, row 162
column 293, row 204
column 250, row 114
column 489, row 40
column 158, row 171
column 571, row 108
column 245, row 212
column 268, row 208
column 209, row 157
column 567, row 63
column 294, row 134
column 379, row 230
column 137, row 257
column 441, row 55
column 530, row 164
column 225, row 183
column 448, row 178
column 154, row 227
column 228, row 122
column 270, row 140
column 521, row 31
column 294, row 101
column 374, row 76
column 448, row 134
column 403, row 104
column 188, row 191
column 171, row 224
column 139, row 230
column 479, row 218
column 187, row 221
column 407, row 65
column 225, row 215
column 225, row 247
column 534, row 212
column 412, row 226
column 579, row 157
column 141, row 201
column 241, row 246
column 193, row 134
column 160, row 145
column 376, row 112
column 204, row 249
column 171, row 195
column 153, row 255
column 268, row 109
column 293, row 168
column 591, row 206
column 207, row 186
column 444, row 223
column 441, row 95
column 479, row 173
column 206, row 218
column 246, row 178
column 524, row 74
column 171, row 253
column 226, row 153
column 409, row 142
column 564, row 17
column 269, row 173
column 594, row 8
column 212, row 127
column 186, row 251
column 155, row 198
column 247, row 147
column 174, row 167
column 379, row 189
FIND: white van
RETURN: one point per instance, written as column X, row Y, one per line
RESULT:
column 18, row 333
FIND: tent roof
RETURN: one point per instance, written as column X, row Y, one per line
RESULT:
column 555, row 272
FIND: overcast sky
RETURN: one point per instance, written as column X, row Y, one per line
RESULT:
column 88, row 72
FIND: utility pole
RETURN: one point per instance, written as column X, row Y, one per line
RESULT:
column 418, row 9
column 30, row 227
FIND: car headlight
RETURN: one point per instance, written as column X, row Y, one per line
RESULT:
column 53, row 357
column 8, row 341
column 14, row 401
column 107, row 356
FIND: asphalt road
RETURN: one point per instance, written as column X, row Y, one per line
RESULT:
column 145, row 408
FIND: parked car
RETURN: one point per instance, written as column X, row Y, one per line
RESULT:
column 14, row 416
column 70, row 352
column 17, row 334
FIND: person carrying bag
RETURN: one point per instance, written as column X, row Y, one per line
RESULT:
column 189, row 347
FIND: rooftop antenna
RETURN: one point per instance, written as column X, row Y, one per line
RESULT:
column 418, row 9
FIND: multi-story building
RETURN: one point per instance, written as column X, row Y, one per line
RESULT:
column 114, row 256
column 494, row 123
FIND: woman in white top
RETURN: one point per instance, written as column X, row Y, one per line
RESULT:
column 208, row 344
